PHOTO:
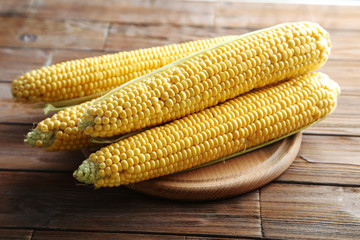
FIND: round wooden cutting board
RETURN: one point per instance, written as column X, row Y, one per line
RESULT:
column 229, row 178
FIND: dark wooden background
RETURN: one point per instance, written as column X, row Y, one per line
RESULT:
column 316, row 198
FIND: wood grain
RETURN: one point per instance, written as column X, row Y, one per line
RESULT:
column 65, row 235
column 41, row 200
column 15, row 62
column 228, row 178
column 16, row 155
column 345, row 44
column 345, row 73
column 15, row 8
column 346, row 124
column 129, row 37
column 16, row 112
column 40, row 33
column 344, row 120
column 213, row 238
column 310, row 212
column 322, row 159
column 224, row 14
column 15, row 234
column 53, row 200
column 197, row 13
column 348, row 103
column 262, row 14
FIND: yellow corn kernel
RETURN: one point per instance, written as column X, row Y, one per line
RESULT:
column 61, row 132
column 93, row 75
column 217, row 132
column 252, row 61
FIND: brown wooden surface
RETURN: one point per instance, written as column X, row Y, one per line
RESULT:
column 316, row 198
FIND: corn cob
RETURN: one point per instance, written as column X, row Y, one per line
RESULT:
column 209, row 77
column 89, row 76
column 60, row 132
column 249, row 120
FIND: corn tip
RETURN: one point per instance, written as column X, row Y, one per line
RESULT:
column 87, row 172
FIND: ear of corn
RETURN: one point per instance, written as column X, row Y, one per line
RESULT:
column 209, row 77
column 91, row 76
column 241, row 123
column 60, row 132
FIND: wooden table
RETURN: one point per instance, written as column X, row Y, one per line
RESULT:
column 318, row 197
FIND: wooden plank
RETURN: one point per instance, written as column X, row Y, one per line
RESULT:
column 45, row 33
column 15, row 154
column 344, row 120
column 346, row 124
column 348, row 104
column 55, row 201
column 128, row 37
column 197, row 13
column 265, row 14
column 14, row 8
column 15, row 234
column 132, row 36
column 326, row 160
column 15, row 62
column 346, row 73
column 214, row 238
column 345, row 44
column 310, row 212
column 13, row 111
column 65, row 235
